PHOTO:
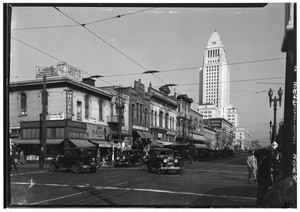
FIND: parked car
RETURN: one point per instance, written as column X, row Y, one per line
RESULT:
column 75, row 159
column 162, row 160
column 129, row 158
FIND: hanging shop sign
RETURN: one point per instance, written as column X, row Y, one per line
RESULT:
column 69, row 101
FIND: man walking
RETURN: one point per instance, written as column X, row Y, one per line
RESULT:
column 252, row 167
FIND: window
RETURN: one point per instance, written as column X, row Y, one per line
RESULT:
column 100, row 102
column 79, row 111
column 166, row 121
column 23, row 104
column 146, row 114
column 160, row 118
column 132, row 114
column 87, row 106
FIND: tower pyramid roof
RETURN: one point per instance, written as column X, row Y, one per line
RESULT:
column 214, row 40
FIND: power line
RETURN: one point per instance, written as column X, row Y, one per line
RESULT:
column 248, row 94
column 84, row 26
column 88, row 23
column 37, row 49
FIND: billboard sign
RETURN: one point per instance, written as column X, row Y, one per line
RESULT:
column 48, row 71
column 96, row 131
column 216, row 123
column 69, row 71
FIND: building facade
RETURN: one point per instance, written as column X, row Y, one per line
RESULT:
column 214, row 76
column 163, row 114
column 184, row 119
column 241, row 139
column 233, row 116
column 209, row 111
column 75, row 113
column 197, row 128
column 139, row 114
column 224, row 131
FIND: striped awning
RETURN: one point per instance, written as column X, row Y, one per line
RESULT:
column 81, row 143
column 101, row 143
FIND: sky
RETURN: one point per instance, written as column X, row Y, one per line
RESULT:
column 170, row 40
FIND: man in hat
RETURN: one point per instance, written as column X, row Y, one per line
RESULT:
column 252, row 167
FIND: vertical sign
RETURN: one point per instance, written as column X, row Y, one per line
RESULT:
column 69, row 104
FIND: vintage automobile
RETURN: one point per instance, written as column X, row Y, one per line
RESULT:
column 162, row 160
column 75, row 159
column 129, row 158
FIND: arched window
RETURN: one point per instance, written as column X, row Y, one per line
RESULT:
column 23, row 104
column 167, row 121
column 151, row 118
column 87, row 105
column 160, row 118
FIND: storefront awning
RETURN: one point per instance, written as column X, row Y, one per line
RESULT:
column 156, row 144
column 101, row 143
column 148, row 135
column 81, row 143
column 201, row 146
column 141, row 134
column 165, row 143
column 199, row 138
column 36, row 141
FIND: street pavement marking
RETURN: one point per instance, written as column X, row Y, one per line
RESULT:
column 28, row 173
column 128, row 189
column 207, row 170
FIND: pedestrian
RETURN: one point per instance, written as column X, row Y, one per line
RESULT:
column 98, row 157
column 22, row 158
column 13, row 162
column 264, row 178
column 41, row 158
column 252, row 167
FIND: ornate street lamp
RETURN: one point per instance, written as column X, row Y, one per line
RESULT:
column 274, row 100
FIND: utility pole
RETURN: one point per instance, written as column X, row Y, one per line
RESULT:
column 43, row 127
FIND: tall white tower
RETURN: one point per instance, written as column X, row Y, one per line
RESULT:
column 214, row 76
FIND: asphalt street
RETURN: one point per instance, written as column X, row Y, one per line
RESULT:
column 218, row 183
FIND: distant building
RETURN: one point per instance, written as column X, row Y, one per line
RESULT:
column 233, row 116
column 209, row 111
column 224, row 131
column 214, row 76
column 241, row 139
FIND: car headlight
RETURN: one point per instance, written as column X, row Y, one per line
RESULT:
column 118, row 158
column 165, row 160
column 176, row 161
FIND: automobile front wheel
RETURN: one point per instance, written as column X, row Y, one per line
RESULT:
column 52, row 167
column 179, row 171
column 93, row 170
column 76, row 168
column 159, row 171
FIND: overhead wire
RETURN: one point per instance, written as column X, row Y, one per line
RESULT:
column 88, row 23
column 126, row 56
